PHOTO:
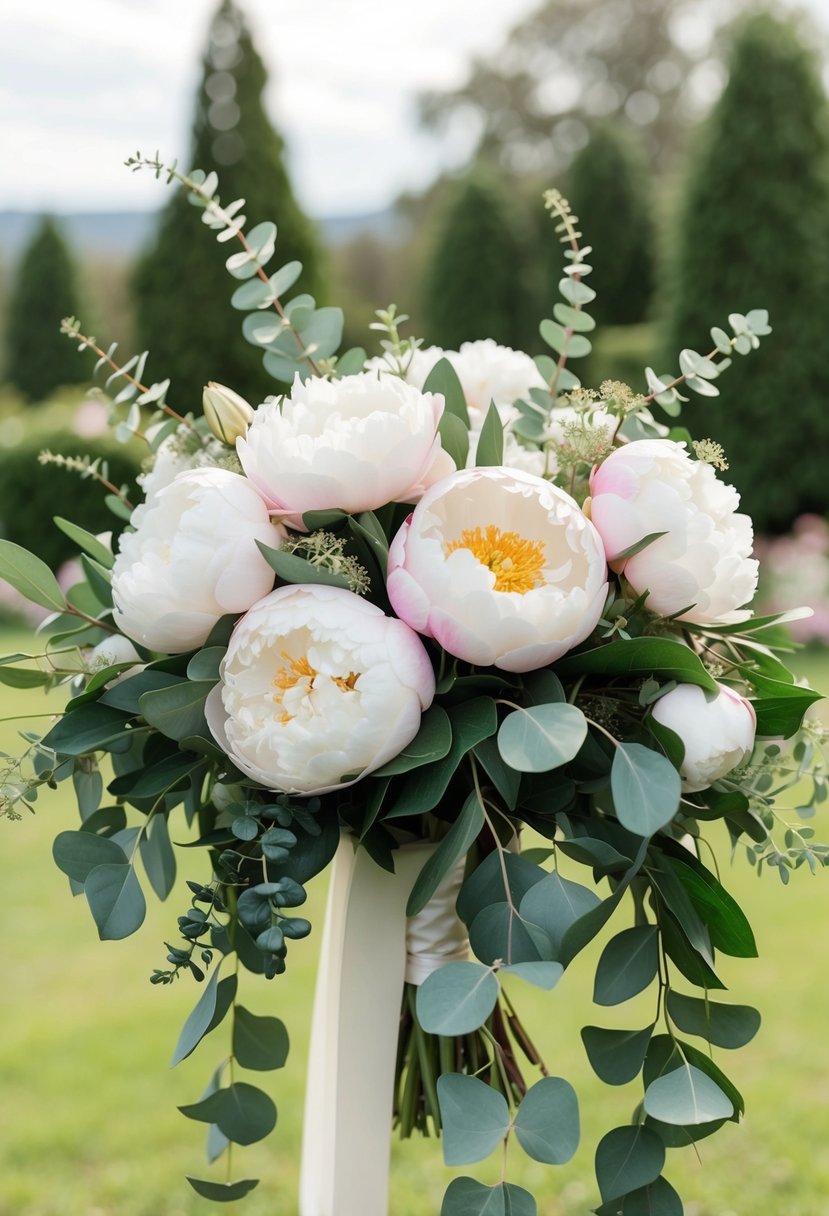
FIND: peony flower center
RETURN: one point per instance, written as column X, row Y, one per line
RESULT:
column 516, row 562
column 298, row 673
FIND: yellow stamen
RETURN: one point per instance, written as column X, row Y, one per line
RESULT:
column 289, row 676
column 515, row 561
column 346, row 683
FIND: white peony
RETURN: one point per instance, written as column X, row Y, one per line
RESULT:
column 500, row 567
column 191, row 559
column 318, row 688
column 702, row 566
column 354, row 444
column 717, row 732
column 182, row 450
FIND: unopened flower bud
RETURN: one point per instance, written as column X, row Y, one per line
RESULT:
column 228, row 415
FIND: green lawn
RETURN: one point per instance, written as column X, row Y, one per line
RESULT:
column 88, row 1104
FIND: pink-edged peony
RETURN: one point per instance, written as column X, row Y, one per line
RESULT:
column 500, row 567
column 318, row 688
column 717, row 732
column 701, row 568
column 355, row 444
column 192, row 559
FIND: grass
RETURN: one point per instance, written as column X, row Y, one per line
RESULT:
column 89, row 1120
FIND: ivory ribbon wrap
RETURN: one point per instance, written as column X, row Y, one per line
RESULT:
column 349, row 1098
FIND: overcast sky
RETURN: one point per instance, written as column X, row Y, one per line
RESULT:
column 85, row 82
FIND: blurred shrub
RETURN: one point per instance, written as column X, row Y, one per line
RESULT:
column 754, row 233
column 38, row 357
column 475, row 280
column 620, row 352
column 31, row 493
column 609, row 190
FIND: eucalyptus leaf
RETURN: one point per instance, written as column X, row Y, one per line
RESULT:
column 116, row 900
column 490, row 449
column 541, row 975
column 547, row 1121
column 628, row 1158
column 640, row 657
column 500, row 934
column 686, row 1096
column 628, row 964
column 475, row 1118
column 30, row 576
column 616, row 1056
column 501, row 875
column 556, row 903
column 198, row 1021
column 455, row 844
column 658, row 1198
column 222, row 1192
column 432, row 742
column 244, row 1113
column 78, row 853
column 87, row 542
column 457, row 998
column 466, row 1197
column 294, row 569
column 259, row 1043
column 729, row 1026
column 158, row 856
column 177, row 711
column 443, row 379
column 646, row 788
column 543, row 737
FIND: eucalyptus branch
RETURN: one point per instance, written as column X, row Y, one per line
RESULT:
column 567, row 228
column 86, row 468
column 70, row 326
column 218, row 216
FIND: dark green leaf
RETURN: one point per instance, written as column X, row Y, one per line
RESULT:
column 444, row 379
column 499, row 933
column 547, row 1121
column 294, row 569
column 432, row 742
column 587, row 926
column 728, row 1026
column 205, row 664
column 78, row 853
column 490, row 449
column 455, row 844
column 456, row 999
column 628, row 1158
column 115, row 899
column 628, row 964
column 177, row 711
column 726, row 921
column 158, row 856
column 30, row 576
column 472, row 721
column 616, row 1056
column 475, row 1118
column 244, row 1113
column 222, row 1192
column 198, row 1021
column 86, row 729
column 556, row 903
column 259, row 1043
column 487, row 885
column 125, row 694
column 659, row 657
column 505, row 779
column 658, row 1198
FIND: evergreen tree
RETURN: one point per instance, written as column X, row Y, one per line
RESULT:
column 475, row 278
column 608, row 189
column 754, row 233
column 182, row 287
column 38, row 357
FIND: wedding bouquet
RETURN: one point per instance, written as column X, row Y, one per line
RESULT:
column 431, row 596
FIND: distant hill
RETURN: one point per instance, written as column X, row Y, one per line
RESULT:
column 123, row 233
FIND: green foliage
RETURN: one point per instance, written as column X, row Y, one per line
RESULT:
column 38, row 359
column 609, row 189
column 232, row 134
column 752, row 227
column 474, row 280
column 31, row 494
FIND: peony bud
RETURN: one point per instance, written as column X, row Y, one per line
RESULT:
column 228, row 415
column 716, row 732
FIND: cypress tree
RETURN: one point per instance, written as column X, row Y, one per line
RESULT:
column 754, row 233
column 475, row 279
column 39, row 358
column 609, row 191
column 182, row 287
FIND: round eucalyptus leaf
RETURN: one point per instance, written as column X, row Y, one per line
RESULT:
column 547, row 1121
column 541, row 738
column 456, row 999
column 686, row 1096
column 645, row 787
column 628, row 963
column 628, row 1158
column 466, row 1197
column 475, row 1118
column 222, row 1192
column 729, row 1026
